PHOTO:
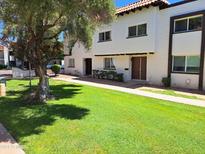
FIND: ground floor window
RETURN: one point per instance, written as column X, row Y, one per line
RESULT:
column 71, row 62
column 186, row 64
column 108, row 64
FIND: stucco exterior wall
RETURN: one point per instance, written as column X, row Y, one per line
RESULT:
column 119, row 34
column 79, row 53
column 4, row 58
column 188, row 81
column 157, row 41
column 187, row 43
column 183, row 44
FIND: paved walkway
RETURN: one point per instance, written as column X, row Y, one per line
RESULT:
column 5, row 72
column 181, row 100
column 7, row 144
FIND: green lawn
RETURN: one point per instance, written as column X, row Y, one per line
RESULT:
column 89, row 120
column 172, row 93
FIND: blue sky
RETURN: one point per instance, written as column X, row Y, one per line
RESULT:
column 120, row 3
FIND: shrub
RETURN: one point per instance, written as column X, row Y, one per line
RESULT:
column 104, row 74
column 166, row 81
column 96, row 74
column 2, row 67
column 56, row 69
column 120, row 77
column 109, row 75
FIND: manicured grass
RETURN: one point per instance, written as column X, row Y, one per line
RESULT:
column 172, row 93
column 89, row 120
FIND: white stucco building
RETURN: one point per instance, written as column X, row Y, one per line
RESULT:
column 4, row 55
column 149, row 40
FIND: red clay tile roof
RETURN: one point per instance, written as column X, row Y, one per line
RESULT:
column 140, row 4
column 1, row 47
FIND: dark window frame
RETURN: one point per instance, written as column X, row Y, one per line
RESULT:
column 134, row 28
column 177, row 30
column 104, row 35
column 145, row 30
column 188, row 24
column 101, row 37
column 185, row 65
column 137, row 31
column 111, row 64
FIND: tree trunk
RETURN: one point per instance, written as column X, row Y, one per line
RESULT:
column 42, row 93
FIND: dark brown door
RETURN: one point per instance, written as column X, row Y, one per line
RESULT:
column 139, row 68
column 88, row 66
column 143, row 68
column 136, row 68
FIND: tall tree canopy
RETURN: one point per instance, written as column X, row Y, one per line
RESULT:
column 36, row 25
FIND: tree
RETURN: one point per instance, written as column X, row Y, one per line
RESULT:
column 37, row 24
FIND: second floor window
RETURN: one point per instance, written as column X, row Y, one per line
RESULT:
column 139, row 30
column 188, row 24
column 105, row 36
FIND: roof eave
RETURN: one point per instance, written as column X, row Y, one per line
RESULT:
column 155, row 4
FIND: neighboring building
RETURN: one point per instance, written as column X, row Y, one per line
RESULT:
column 150, row 39
column 4, row 55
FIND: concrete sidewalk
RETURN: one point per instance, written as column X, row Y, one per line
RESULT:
column 7, row 144
column 5, row 72
column 180, row 100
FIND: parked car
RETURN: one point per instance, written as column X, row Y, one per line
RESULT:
column 49, row 66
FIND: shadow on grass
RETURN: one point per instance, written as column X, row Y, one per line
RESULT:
column 59, row 91
column 24, row 120
column 65, row 91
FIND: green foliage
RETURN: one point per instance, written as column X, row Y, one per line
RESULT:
column 56, row 69
column 37, row 24
column 2, row 67
column 166, row 81
column 172, row 93
column 119, row 77
column 86, row 119
column 109, row 75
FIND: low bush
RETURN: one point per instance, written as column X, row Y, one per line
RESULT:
column 111, row 75
column 56, row 69
column 2, row 67
column 108, row 75
column 166, row 81
column 119, row 77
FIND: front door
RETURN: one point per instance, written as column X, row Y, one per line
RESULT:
column 88, row 66
column 139, row 68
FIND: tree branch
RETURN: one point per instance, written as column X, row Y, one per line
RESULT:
column 53, row 36
column 53, row 24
